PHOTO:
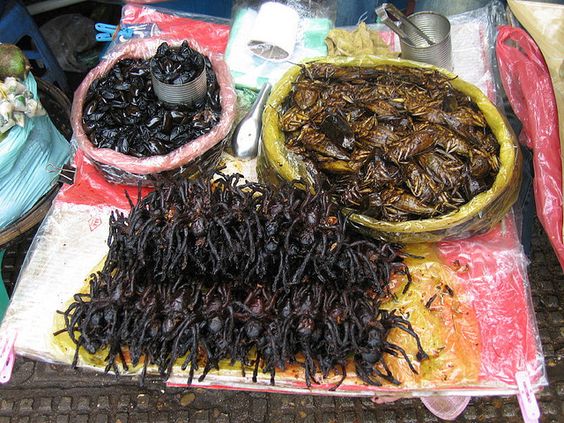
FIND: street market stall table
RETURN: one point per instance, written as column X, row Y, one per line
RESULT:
column 496, row 325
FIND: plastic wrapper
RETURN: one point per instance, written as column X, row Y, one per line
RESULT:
column 478, row 215
column 69, row 37
column 91, row 188
column 473, row 35
column 28, row 157
column 121, row 168
column 494, row 268
column 544, row 22
column 358, row 40
column 250, row 70
column 207, row 31
column 529, row 88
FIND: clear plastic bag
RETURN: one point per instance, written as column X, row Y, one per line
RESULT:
column 122, row 168
column 529, row 88
column 249, row 69
column 28, row 156
column 69, row 36
column 473, row 40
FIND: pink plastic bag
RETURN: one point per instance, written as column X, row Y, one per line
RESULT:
column 529, row 88
column 181, row 156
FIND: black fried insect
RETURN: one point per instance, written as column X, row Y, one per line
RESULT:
column 122, row 112
column 202, row 271
column 430, row 301
column 177, row 65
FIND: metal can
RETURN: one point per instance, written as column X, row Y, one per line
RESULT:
column 437, row 28
column 186, row 94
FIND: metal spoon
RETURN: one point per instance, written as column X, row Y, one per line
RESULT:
column 246, row 136
column 386, row 10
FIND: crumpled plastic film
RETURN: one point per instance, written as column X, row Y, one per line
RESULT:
column 474, row 32
column 91, row 188
column 477, row 216
column 252, row 71
column 109, row 160
column 208, row 31
column 493, row 268
column 361, row 40
column 529, row 88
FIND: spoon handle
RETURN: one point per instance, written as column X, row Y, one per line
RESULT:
column 260, row 101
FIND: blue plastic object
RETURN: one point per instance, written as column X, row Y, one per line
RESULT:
column 106, row 32
column 3, row 294
column 205, row 7
column 17, row 27
column 28, row 157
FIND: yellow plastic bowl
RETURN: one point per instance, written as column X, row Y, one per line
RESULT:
column 276, row 163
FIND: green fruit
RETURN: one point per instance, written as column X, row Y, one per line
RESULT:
column 13, row 62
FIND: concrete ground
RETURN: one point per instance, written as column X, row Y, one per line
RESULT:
column 41, row 392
